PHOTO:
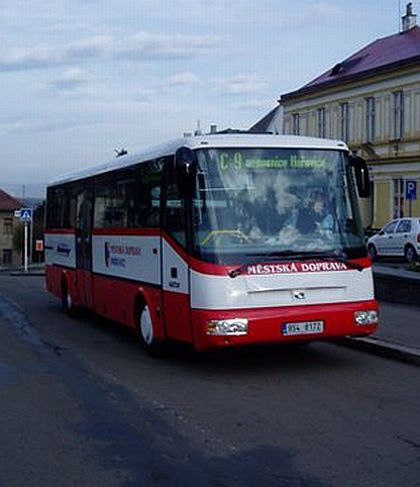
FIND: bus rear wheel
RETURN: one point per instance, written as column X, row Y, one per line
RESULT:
column 146, row 333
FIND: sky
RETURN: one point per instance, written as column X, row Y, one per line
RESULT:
column 81, row 78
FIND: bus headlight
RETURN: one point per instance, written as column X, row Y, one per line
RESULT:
column 369, row 317
column 231, row 327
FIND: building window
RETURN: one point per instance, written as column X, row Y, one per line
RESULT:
column 8, row 226
column 398, row 114
column 370, row 119
column 398, row 201
column 7, row 256
column 344, row 122
column 295, row 124
column 321, row 122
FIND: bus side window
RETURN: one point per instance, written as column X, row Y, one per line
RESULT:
column 102, row 217
column 110, row 205
column 61, row 211
column 119, row 208
column 100, row 208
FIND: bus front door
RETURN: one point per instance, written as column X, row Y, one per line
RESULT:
column 84, row 247
column 175, row 268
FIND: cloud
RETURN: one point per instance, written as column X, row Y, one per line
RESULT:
column 46, row 57
column 175, row 46
column 140, row 46
column 258, row 105
column 89, row 48
column 184, row 83
column 71, row 80
column 8, row 126
column 30, row 58
column 182, row 80
column 176, row 83
column 241, row 84
column 323, row 9
column 146, row 95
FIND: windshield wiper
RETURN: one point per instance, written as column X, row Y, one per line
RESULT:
column 289, row 255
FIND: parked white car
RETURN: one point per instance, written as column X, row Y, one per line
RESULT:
column 398, row 238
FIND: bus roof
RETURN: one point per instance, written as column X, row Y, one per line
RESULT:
column 243, row 140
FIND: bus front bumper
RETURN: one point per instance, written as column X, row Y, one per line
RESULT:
column 218, row 329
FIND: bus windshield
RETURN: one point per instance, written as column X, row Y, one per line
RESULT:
column 254, row 203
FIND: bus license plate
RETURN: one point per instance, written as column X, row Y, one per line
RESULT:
column 302, row 328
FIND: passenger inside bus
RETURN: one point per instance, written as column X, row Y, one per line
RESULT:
column 312, row 217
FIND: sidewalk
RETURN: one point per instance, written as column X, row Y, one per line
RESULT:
column 33, row 270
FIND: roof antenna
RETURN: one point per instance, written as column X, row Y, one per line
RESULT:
column 120, row 152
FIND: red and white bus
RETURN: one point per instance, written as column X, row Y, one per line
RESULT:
column 212, row 240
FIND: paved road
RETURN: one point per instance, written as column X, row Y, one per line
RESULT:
column 81, row 405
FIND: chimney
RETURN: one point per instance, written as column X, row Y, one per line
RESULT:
column 409, row 20
column 197, row 131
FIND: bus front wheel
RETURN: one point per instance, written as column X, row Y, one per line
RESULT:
column 146, row 332
column 67, row 300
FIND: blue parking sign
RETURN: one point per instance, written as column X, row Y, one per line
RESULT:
column 411, row 190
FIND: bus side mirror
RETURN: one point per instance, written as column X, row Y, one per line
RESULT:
column 186, row 168
column 362, row 176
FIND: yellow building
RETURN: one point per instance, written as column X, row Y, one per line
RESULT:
column 371, row 100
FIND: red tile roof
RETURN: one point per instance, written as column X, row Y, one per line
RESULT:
column 383, row 54
column 8, row 203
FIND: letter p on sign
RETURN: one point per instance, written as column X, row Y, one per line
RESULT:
column 411, row 190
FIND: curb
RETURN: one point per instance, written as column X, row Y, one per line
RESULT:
column 383, row 348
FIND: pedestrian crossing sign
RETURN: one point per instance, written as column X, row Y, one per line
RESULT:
column 25, row 214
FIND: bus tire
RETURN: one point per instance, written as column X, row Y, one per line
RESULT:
column 145, row 330
column 67, row 301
